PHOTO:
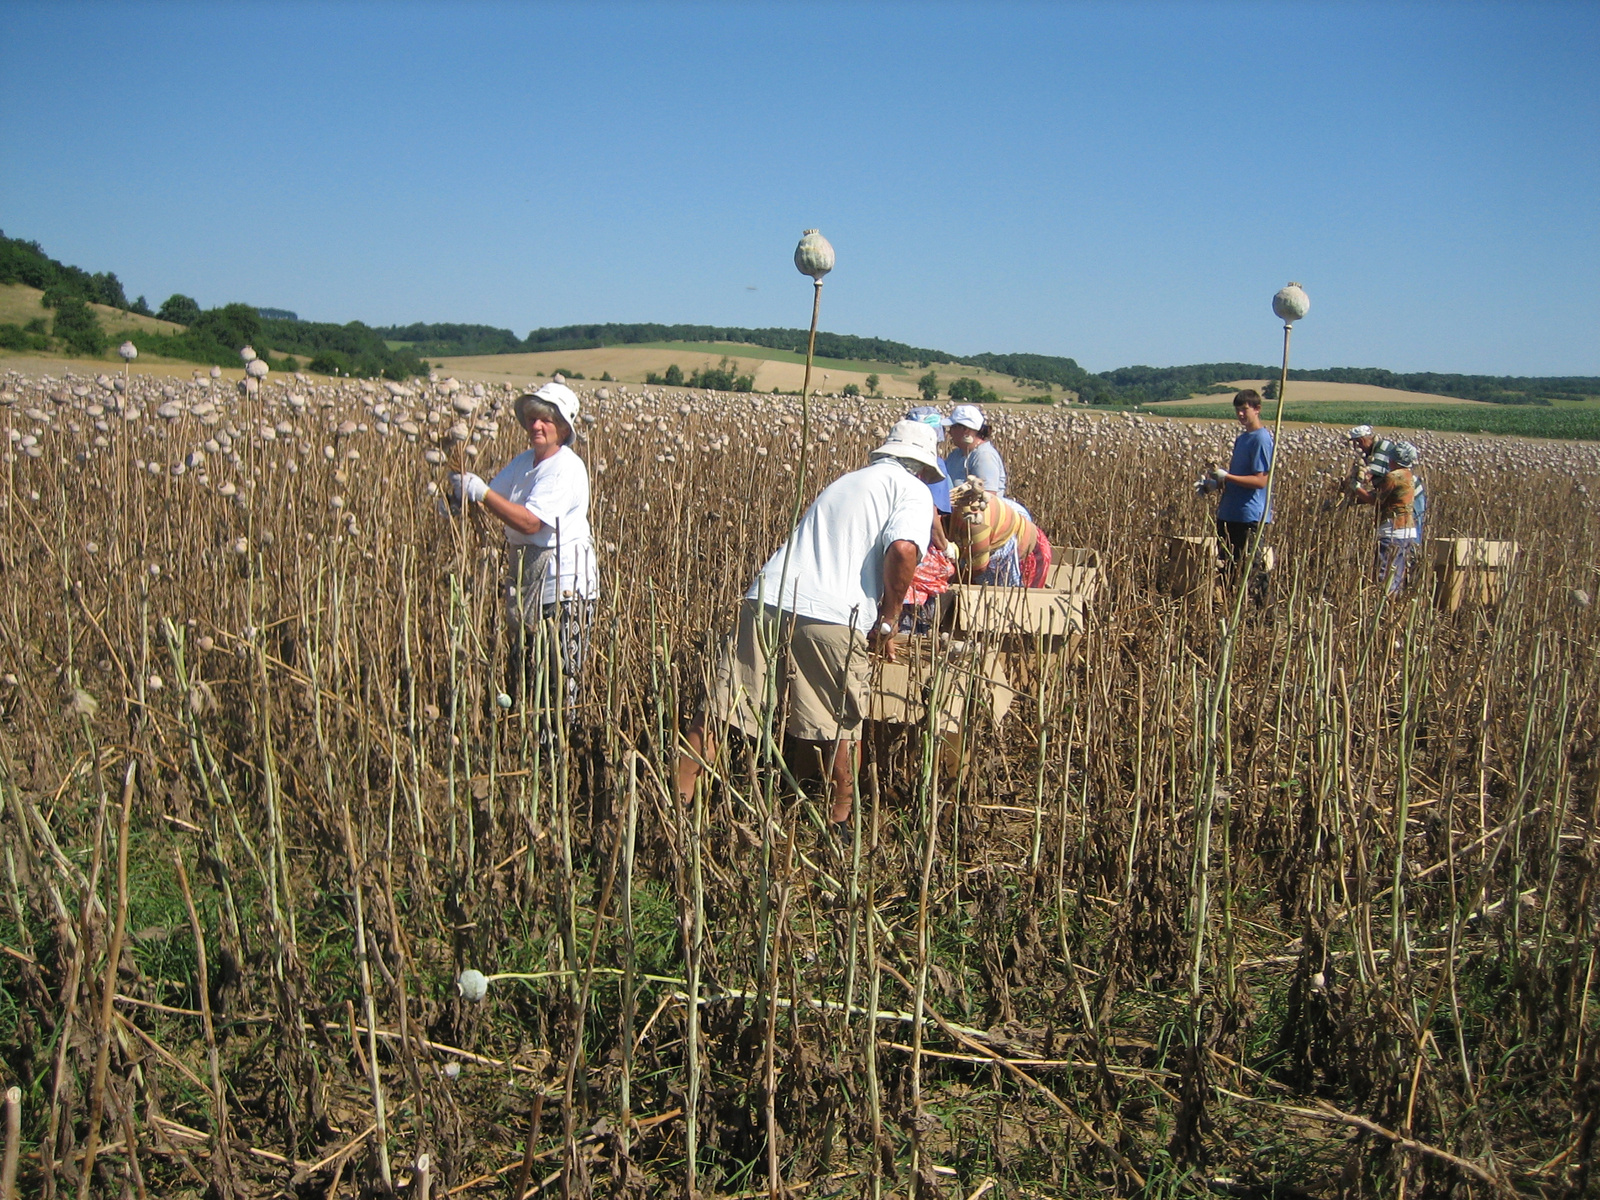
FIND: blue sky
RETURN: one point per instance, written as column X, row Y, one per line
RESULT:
column 1122, row 183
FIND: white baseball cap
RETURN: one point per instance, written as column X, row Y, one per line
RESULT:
column 969, row 415
column 915, row 441
column 561, row 398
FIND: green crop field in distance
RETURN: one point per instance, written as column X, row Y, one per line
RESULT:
column 1574, row 421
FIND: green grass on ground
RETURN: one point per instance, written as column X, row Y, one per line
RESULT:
column 1519, row 420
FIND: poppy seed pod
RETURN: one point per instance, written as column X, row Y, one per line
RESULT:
column 256, row 369
column 128, row 351
column 473, row 985
column 814, row 255
column 1291, row 303
column 248, row 354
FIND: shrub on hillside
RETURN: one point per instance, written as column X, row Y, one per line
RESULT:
column 721, row 378
column 16, row 337
column 77, row 326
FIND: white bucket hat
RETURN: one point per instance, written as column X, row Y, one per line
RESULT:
column 915, row 441
column 561, row 398
column 1359, row 431
column 969, row 415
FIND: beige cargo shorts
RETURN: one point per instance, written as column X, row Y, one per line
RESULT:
column 823, row 675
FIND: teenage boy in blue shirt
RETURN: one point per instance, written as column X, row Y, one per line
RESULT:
column 1243, row 508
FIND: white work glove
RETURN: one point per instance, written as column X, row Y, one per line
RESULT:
column 468, row 487
column 1218, row 474
column 952, row 552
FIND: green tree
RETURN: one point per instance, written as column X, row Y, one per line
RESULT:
column 872, row 384
column 673, row 377
column 851, row 390
column 142, row 307
column 928, row 385
column 179, row 309
column 234, row 326
column 970, row 391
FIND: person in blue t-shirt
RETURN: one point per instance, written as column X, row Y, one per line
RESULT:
column 1243, row 509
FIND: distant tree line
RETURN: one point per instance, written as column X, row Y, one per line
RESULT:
column 440, row 340
column 216, row 335
column 1144, row 385
column 356, row 349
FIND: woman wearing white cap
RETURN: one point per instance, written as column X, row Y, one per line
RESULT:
column 974, row 454
column 542, row 498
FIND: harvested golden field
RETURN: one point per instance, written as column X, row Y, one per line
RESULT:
column 771, row 369
column 1296, row 901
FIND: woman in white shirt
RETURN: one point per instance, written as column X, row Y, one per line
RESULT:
column 542, row 498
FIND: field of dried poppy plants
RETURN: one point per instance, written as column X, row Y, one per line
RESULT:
column 1297, row 901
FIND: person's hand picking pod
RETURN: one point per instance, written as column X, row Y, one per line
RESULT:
column 466, row 485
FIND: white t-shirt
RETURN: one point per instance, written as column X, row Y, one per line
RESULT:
column 836, row 553
column 557, row 492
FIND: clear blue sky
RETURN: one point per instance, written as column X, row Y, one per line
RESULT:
column 1123, row 183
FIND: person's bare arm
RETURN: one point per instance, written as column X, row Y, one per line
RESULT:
column 514, row 515
column 899, row 568
column 1258, row 480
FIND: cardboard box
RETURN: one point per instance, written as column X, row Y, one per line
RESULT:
column 960, row 684
column 1028, row 612
column 1471, row 571
column 1192, row 567
column 1076, row 570
column 996, row 637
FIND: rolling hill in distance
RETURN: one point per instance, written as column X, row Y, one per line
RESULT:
column 50, row 308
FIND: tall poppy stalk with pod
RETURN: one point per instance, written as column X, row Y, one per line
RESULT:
column 1289, row 304
column 1215, row 781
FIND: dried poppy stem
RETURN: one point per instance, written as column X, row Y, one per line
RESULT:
column 222, row 1172
column 8, row 1166
column 108, row 986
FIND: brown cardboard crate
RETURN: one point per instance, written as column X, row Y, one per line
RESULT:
column 1471, row 571
column 1475, row 552
column 1074, row 569
column 1192, row 566
column 1030, row 612
column 959, row 682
